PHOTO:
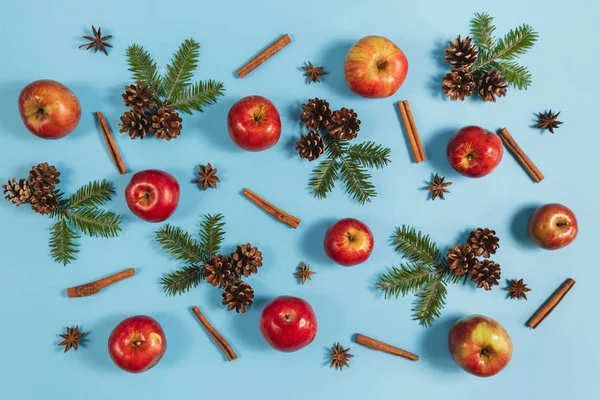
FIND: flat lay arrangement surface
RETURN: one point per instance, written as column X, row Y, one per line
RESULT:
column 267, row 199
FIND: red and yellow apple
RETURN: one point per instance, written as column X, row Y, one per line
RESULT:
column 152, row 195
column 254, row 124
column 49, row 109
column 288, row 324
column 349, row 242
column 474, row 151
column 553, row 226
column 375, row 67
column 480, row 345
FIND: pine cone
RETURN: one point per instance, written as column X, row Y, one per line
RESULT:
column 461, row 259
column 344, row 124
column 487, row 274
column 43, row 202
column 17, row 192
column 238, row 295
column 491, row 84
column 315, row 114
column 310, row 146
column 218, row 271
column 139, row 96
column 461, row 54
column 166, row 123
column 246, row 260
column 458, row 84
column 135, row 123
column 44, row 177
column 484, row 242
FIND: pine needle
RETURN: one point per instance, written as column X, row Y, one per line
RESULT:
column 182, row 280
column 197, row 96
column 93, row 194
column 409, row 278
column 95, row 222
column 415, row 246
column 211, row 235
column 143, row 67
column 515, row 43
column 356, row 180
column 430, row 301
column 179, row 244
column 181, row 69
column 482, row 31
column 515, row 74
column 370, row 154
column 62, row 243
column 323, row 177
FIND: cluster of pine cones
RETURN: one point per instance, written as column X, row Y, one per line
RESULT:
column 225, row 272
column 147, row 116
column 462, row 259
column 39, row 189
column 342, row 125
column 461, row 81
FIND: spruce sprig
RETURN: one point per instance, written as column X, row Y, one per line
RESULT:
column 63, row 246
column 144, row 68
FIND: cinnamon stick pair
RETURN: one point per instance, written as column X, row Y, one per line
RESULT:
column 550, row 304
column 115, row 154
column 386, row 348
column 215, row 335
column 264, row 55
column 94, row 287
column 412, row 132
column 271, row 209
column 520, row 155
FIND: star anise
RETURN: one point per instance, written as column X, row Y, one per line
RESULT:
column 518, row 289
column 72, row 338
column 98, row 42
column 313, row 73
column 339, row 357
column 208, row 177
column 438, row 187
column 548, row 121
column 304, row 273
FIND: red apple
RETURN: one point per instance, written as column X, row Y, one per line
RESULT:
column 288, row 324
column 254, row 124
column 137, row 344
column 375, row 67
column 474, row 151
column 152, row 195
column 480, row 345
column 49, row 109
column 553, row 226
column 349, row 242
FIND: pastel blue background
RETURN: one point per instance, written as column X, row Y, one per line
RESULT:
column 40, row 39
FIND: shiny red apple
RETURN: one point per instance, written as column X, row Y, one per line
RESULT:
column 375, row 67
column 254, row 124
column 152, row 195
column 480, row 345
column 474, row 151
column 553, row 226
column 349, row 242
column 137, row 344
column 49, row 109
column 288, row 323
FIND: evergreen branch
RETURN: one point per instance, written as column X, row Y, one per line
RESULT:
column 515, row 74
column 63, row 205
column 95, row 222
column 356, row 180
column 211, row 235
column 415, row 246
column 369, row 154
column 179, row 244
column 408, row 278
column 62, row 242
column 182, row 280
column 482, row 31
column 93, row 194
column 181, row 69
column 323, row 177
column 430, row 301
column 197, row 96
column 515, row 43
column 143, row 67
column 333, row 148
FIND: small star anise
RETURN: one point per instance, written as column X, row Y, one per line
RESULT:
column 548, row 121
column 208, row 177
column 518, row 289
column 304, row 273
column 339, row 357
column 72, row 338
column 313, row 73
column 98, row 42
column 438, row 187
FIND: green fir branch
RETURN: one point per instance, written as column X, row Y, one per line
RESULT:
column 515, row 74
column 144, row 68
column 212, row 231
column 197, row 96
column 482, row 31
column 356, row 180
column 515, row 43
column 179, row 244
column 181, row 69
column 369, row 154
column 95, row 222
column 415, row 246
column 409, row 278
column 182, row 280
column 93, row 194
column 62, row 243
column 430, row 301
column 323, row 177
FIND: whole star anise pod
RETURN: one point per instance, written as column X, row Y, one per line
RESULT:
column 98, row 42
column 548, row 120
column 518, row 289
column 339, row 357
column 313, row 73
column 72, row 338
column 437, row 186
column 208, row 177
column 304, row 273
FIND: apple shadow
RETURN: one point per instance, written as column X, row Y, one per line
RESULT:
column 435, row 149
column 213, row 125
column 434, row 345
column 96, row 348
column 246, row 330
column 312, row 242
column 437, row 56
column 518, row 226
column 333, row 58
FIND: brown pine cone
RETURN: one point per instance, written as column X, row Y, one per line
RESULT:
column 44, row 202
column 461, row 54
column 139, row 96
column 486, row 275
column 17, row 192
column 310, row 146
column 166, row 123
column 238, row 295
column 458, row 84
column 484, row 242
column 344, row 124
column 44, row 177
column 461, row 259
column 135, row 123
column 491, row 84
column 218, row 271
column 315, row 114
column 247, row 260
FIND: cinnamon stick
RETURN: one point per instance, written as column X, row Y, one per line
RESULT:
column 271, row 209
column 412, row 133
column 264, row 55
column 550, row 304
column 413, row 126
column 215, row 335
column 115, row 154
column 520, row 155
column 386, row 348
column 94, row 287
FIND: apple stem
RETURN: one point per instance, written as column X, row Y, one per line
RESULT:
column 562, row 224
column 145, row 196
